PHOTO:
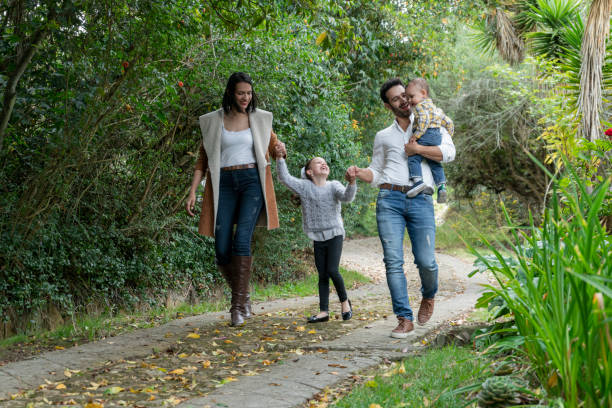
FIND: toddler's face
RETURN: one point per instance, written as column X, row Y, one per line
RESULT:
column 415, row 94
column 318, row 167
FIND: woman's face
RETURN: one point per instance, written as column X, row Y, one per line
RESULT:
column 318, row 167
column 243, row 95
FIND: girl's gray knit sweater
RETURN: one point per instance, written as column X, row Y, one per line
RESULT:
column 321, row 217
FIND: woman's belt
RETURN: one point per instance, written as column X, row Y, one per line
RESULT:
column 239, row 167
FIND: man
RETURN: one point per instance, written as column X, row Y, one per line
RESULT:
column 395, row 212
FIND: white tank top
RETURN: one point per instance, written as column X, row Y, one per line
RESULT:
column 237, row 147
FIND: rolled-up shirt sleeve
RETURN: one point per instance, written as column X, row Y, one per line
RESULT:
column 447, row 147
column 378, row 161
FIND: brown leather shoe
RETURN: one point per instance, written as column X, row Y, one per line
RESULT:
column 404, row 327
column 425, row 310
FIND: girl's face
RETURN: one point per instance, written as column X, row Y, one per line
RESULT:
column 318, row 168
column 243, row 95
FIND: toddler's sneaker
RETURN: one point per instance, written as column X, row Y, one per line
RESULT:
column 442, row 194
column 417, row 188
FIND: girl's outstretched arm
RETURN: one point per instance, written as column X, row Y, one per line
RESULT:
column 294, row 184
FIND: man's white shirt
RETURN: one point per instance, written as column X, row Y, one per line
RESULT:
column 389, row 161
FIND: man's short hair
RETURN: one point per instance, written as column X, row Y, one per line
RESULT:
column 421, row 83
column 388, row 85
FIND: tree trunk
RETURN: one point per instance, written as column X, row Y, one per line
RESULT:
column 593, row 53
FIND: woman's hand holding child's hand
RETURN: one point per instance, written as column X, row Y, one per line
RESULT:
column 280, row 150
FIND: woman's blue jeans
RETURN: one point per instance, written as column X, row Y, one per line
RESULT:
column 394, row 214
column 240, row 202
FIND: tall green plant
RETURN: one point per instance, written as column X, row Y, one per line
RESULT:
column 558, row 290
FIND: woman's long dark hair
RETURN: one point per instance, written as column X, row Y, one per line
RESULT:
column 229, row 100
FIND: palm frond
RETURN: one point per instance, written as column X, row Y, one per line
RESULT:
column 551, row 14
column 523, row 22
column 483, row 35
column 509, row 44
column 552, row 19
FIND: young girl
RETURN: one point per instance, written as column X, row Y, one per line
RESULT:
column 322, row 223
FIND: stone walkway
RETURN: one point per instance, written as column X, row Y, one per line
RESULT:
column 275, row 360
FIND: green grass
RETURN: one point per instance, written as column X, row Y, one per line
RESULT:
column 90, row 328
column 425, row 380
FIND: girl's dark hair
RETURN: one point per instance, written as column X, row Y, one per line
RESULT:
column 229, row 99
column 306, row 168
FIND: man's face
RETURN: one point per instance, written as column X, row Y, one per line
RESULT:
column 398, row 103
column 415, row 94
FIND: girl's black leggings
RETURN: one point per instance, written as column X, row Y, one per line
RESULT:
column 327, row 260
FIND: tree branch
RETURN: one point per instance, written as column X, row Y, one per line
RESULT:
column 24, row 59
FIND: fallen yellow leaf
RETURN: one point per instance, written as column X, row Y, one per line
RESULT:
column 374, row 406
column 228, row 341
column 313, row 331
column 173, row 401
column 300, row 328
column 60, row 387
column 94, row 386
column 183, row 355
column 193, row 336
column 59, row 348
column 113, row 390
column 178, row 371
column 206, row 364
column 93, row 405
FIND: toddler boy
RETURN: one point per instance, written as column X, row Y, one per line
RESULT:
column 428, row 119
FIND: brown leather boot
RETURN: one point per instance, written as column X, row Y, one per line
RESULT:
column 240, row 288
column 248, row 310
column 226, row 272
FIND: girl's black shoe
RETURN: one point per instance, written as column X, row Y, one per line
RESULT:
column 349, row 314
column 315, row 319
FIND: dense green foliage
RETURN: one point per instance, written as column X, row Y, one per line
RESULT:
column 100, row 143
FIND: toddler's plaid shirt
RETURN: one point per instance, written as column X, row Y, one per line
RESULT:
column 427, row 115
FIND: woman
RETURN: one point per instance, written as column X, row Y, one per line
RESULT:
column 237, row 141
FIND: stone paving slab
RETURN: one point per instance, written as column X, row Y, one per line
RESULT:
column 289, row 384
